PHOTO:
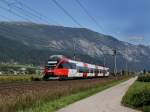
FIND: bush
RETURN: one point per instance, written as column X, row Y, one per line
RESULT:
column 145, row 78
column 146, row 108
column 138, row 96
column 138, row 99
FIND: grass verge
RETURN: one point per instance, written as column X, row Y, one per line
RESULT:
column 62, row 101
column 138, row 96
column 14, row 78
column 18, row 78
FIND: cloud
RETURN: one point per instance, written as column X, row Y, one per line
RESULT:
column 136, row 38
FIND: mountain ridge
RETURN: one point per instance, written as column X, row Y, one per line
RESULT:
column 46, row 38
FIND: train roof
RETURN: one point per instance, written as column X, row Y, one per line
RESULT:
column 58, row 57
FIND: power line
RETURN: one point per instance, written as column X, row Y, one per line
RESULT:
column 67, row 13
column 90, row 16
column 27, row 11
column 23, row 5
column 4, row 28
column 11, row 31
column 36, row 13
column 14, row 13
column 21, row 10
column 18, row 10
column 18, row 15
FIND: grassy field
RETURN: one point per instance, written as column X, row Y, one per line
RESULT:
column 61, row 101
column 14, row 78
column 18, row 78
column 138, row 96
column 58, row 93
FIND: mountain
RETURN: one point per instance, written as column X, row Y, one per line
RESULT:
column 32, row 43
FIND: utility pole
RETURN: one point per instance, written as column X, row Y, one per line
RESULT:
column 115, row 61
column 127, row 68
column 127, row 62
column 74, row 49
column 104, row 63
column 104, row 60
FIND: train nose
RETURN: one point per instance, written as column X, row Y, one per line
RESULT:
column 48, row 74
column 46, row 71
column 50, row 71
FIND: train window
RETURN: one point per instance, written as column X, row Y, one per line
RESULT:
column 104, row 71
column 91, row 70
column 50, row 66
column 96, row 71
column 100, row 71
column 83, row 70
column 73, row 65
column 67, row 65
column 60, row 66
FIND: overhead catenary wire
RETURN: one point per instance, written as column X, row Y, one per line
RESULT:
column 25, row 12
column 37, row 14
column 18, row 15
column 22, row 11
column 73, row 19
column 6, row 29
column 61, row 7
column 14, row 13
column 10, row 32
column 67, row 13
column 11, row 9
column 89, row 15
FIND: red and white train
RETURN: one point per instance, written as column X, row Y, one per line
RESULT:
column 62, row 67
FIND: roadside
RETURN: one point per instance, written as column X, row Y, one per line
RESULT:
column 105, row 101
column 138, row 95
column 62, row 101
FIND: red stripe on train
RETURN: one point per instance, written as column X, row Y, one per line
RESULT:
column 61, row 72
column 85, row 65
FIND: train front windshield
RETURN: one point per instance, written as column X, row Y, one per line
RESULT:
column 52, row 63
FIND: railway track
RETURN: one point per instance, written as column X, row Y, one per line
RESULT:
column 28, row 85
column 17, row 85
column 42, row 83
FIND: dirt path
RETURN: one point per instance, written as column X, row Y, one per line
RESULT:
column 105, row 101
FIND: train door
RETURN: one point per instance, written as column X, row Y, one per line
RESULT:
column 71, row 67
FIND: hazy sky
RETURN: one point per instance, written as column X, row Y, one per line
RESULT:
column 127, row 20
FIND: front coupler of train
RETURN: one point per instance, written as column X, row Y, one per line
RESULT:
column 47, row 74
